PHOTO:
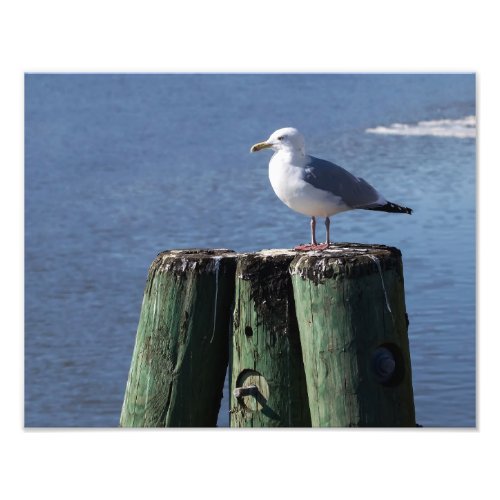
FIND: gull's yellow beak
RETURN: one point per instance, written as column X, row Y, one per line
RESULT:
column 259, row 146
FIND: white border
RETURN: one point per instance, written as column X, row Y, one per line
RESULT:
column 223, row 36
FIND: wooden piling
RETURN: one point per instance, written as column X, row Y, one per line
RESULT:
column 318, row 338
column 350, row 308
column 181, row 351
column 268, row 382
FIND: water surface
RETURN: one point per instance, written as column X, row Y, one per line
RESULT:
column 121, row 167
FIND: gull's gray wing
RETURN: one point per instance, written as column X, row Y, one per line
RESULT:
column 354, row 191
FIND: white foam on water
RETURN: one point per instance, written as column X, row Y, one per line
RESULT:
column 462, row 128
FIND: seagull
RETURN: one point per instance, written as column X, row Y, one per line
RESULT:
column 316, row 187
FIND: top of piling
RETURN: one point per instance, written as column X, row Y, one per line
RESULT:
column 179, row 261
column 340, row 250
column 340, row 259
column 346, row 257
column 344, row 250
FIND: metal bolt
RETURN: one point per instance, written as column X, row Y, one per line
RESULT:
column 384, row 364
column 240, row 392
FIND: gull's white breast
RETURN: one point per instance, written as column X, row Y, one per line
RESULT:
column 288, row 184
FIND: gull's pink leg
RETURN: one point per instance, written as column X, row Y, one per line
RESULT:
column 327, row 224
column 313, row 231
column 314, row 244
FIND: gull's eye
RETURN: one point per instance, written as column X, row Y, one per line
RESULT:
column 281, row 137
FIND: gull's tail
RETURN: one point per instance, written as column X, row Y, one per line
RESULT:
column 391, row 207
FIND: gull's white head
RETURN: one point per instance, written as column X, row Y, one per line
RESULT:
column 285, row 139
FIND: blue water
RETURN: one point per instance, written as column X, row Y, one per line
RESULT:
column 121, row 167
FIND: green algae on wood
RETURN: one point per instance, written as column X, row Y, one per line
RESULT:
column 351, row 314
column 266, row 347
column 182, row 344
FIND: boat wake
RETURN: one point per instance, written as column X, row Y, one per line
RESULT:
column 462, row 128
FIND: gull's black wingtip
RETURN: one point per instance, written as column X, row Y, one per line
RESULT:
column 392, row 208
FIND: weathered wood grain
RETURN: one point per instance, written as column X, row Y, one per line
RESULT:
column 266, row 347
column 181, row 351
column 318, row 338
column 349, row 302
